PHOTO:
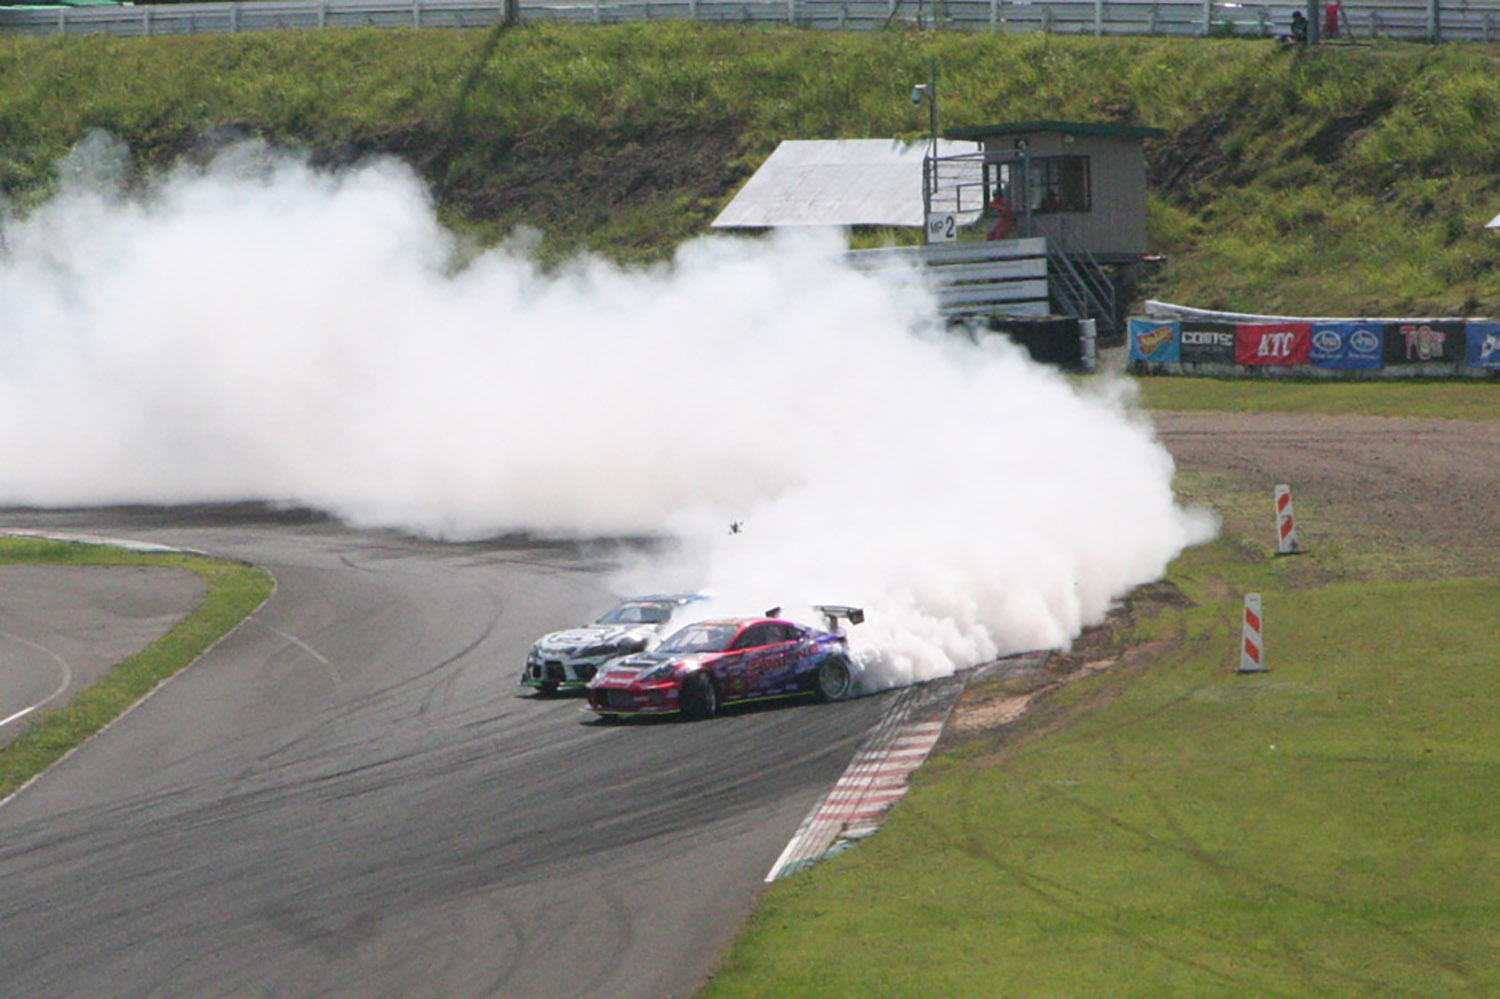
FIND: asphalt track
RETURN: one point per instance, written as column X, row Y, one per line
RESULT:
column 348, row 796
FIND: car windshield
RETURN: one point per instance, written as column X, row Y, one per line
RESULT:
column 701, row 638
column 638, row 612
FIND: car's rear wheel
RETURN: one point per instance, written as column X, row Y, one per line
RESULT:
column 698, row 699
column 834, row 679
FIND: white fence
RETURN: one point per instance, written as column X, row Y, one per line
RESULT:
column 1412, row 20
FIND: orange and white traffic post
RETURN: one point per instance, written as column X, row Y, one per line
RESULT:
column 1252, row 644
column 1286, row 523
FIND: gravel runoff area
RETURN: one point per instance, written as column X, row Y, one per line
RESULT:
column 1422, row 495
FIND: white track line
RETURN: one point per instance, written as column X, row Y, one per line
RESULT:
column 67, row 677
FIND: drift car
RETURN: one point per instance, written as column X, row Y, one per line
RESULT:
column 709, row 663
column 571, row 658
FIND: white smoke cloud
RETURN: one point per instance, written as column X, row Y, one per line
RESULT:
column 257, row 329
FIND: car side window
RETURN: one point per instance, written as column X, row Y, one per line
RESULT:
column 782, row 633
column 753, row 637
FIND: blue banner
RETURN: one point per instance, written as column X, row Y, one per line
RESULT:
column 1155, row 340
column 1347, row 346
column 1484, row 345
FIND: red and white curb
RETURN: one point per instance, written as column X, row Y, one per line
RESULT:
column 876, row 779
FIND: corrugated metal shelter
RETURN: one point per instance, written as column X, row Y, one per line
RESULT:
column 837, row 182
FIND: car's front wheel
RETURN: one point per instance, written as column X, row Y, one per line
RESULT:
column 698, row 699
column 834, row 679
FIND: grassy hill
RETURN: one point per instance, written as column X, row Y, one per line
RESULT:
column 1352, row 179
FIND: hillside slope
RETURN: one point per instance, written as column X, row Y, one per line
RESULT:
column 1349, row 179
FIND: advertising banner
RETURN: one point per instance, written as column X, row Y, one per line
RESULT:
column 1205, row 341
column 1154, row 340
column 1272, row 343
column 1425, row 342
column 1346, row 346
column 1484, row 345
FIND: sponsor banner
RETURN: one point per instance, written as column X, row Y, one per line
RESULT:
column 1272, row 343
column 1484, row 345
column 1207, row 342
column 1154, row 340
column 1425, row 342
column 1346, row 345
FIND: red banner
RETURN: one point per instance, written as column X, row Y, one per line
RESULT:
column 1272, row 343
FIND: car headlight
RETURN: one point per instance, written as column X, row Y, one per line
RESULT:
column 658, row 674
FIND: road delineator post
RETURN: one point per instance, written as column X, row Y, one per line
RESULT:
column 1252, row 644
column 1286, row 523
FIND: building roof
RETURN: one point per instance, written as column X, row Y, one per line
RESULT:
column 977, row 132
column 836, row 182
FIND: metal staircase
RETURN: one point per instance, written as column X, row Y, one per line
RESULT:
column 1080, row 286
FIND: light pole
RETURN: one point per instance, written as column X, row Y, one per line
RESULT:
column 928, row 91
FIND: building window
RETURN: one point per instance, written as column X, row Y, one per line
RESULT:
column 1060, row 184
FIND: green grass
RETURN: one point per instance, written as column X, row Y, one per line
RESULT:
column 1324, row 829
column 1172, row 828
column 1432, row 399
column 1353, row 180
column 234, row 591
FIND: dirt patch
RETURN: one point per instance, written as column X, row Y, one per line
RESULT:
column 1408, row 498
column 1422, row 493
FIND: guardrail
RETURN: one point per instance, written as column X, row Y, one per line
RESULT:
column 1411, row 20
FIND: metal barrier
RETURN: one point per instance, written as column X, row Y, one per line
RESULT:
column 1005, row 277
column 1411, row 20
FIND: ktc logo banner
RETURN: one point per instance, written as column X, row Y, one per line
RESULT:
column 1346, row 345
column 1425, row 343
column 1484, row 345
column 1154, row 340
column 1272, row 343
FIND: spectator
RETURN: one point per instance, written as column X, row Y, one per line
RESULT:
column 1005, row 219
column 1331, row 19
column 1299, row 30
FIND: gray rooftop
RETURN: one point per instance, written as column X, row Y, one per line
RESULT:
column 836, row 182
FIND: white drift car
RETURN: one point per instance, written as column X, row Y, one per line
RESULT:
column 571, row 658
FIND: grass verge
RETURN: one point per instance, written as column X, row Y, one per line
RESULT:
column 235, row 590
column 1170, row 827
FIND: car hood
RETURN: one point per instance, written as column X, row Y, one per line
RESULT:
column 595, row 634
column 630, row 667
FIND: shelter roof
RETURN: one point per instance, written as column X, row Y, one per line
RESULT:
column 836, row 182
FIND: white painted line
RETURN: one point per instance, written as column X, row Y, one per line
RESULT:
column 67, row 677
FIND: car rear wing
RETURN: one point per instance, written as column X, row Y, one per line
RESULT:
column 834, row 613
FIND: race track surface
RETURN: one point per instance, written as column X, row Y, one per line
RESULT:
column 348, row 796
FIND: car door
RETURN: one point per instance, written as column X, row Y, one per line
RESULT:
column 742, row 671
column 779, row 658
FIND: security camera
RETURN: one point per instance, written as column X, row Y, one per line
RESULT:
column 917, row 92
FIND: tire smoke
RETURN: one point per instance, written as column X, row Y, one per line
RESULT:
column 255, row 329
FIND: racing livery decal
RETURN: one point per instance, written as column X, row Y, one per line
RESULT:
column 1154, row 340
column 1346, row 346
column 1207, row 342
column 1272, row 343
column 1484, row 345
column 1424, row 342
